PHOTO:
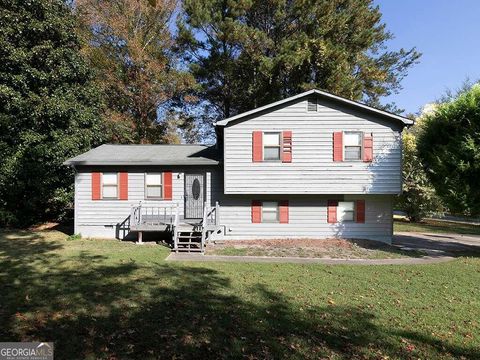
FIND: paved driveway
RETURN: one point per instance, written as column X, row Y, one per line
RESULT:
column 439, row 244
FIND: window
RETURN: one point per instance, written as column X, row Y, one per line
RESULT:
column 346, row 211
column 109, row 186
column 270, row 211
column 153, row 185
column 353, row 145
column 312, row 104
column 271, row 146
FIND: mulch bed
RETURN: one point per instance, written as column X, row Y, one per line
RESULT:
column 325, row 248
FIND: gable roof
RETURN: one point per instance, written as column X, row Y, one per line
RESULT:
column 184, row 154
column 405, row 121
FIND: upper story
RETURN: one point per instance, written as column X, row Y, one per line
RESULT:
column 312, row 143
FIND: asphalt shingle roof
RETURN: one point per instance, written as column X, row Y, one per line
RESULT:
column 184, row 154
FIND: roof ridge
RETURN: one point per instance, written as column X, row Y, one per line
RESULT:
column 325, row 94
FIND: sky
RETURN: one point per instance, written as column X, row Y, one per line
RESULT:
column 447, row 33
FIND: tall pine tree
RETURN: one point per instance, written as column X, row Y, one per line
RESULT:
column 48, row 109
column 251, row 52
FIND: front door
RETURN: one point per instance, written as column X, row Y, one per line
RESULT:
column 194, row 195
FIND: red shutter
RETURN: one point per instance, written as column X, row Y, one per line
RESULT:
column 257, row 146
column 368, row 147
column 123, row 184
column 287, row 146
column 96, row 193
column 283, row 209
column 338, row 146
column 167, row 185
column 360, row 211
column 256, row 212
column 332, row 211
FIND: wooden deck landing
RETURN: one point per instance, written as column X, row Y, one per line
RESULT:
column 164, row 226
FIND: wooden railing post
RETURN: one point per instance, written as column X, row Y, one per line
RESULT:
column 140, row 213
column 204, row 225
column 175, row 229
column 217, row 213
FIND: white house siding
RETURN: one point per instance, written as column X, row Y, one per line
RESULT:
column 307, row 213
column 312, row 170
column 307, row 218
column 98, row 218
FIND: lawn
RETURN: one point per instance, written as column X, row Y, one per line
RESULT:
column 434, row 226
column 108, row 299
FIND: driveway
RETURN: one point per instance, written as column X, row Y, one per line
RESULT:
column 437, row 244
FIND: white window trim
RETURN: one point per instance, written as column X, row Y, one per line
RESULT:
column 361, row 145
column 162, row 196
column 277, row 220
column 280, row 146
column 102, row 185
column 354, row 211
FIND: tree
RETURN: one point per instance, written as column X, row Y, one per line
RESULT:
column 252, row 52
column 130, row 45
column 449, row 145
column 418, row 198
column 48, row 109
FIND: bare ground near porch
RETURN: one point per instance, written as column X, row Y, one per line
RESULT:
column 313, row 248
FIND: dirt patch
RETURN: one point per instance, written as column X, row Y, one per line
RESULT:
column 318, row 248
column 44, row 226
column 311, row 243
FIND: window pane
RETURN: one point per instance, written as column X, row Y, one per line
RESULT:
column 109, row 191
column 345, row 205
column 270, row 205
column 271, row 153
column 352, row 139
column 154, row 179
column 269, row 217
column 345, row 210
column 347, row 216
column 270, row 139
column 109, row 178
column 269, row 211
column 154, row 191
column 353, row 152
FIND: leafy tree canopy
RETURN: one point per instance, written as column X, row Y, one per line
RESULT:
column 129, row 44
column 449, row 145
column 48, row 109
column 251, row 52
column 418, row 198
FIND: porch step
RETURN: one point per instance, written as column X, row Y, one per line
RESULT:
column 189, row 240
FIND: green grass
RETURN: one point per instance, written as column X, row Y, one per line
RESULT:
column 432, row 226
column 108, row 299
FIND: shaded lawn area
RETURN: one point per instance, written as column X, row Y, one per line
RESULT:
column 434, row 226
column 108, row 299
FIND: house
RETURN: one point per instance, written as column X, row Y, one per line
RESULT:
column 313, row 165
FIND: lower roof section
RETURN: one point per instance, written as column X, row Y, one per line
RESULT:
column 184, row 154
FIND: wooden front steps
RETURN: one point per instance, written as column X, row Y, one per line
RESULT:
column 189, row 240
